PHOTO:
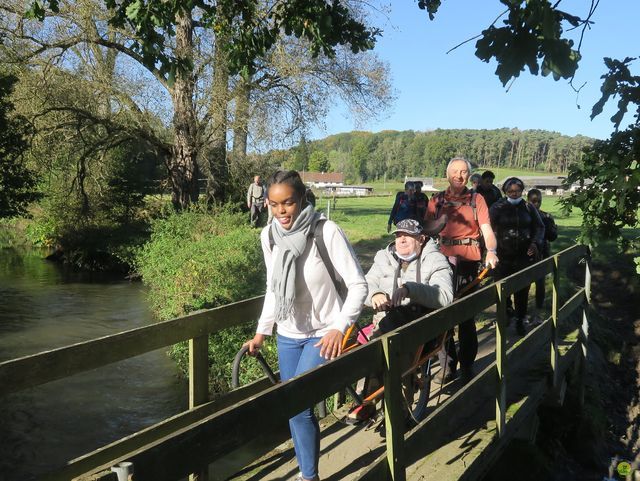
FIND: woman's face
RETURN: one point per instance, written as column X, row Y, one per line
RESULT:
column 513, row 191
column 284, row 204
column 407, row 244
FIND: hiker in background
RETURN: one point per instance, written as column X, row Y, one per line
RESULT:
column 421, row 201
column 404, row 207
column 520, row 235
column 302, row 299
column 468, row 220
column 255, row 200
column 487, row 190
column 475, row 180
column 534, row 196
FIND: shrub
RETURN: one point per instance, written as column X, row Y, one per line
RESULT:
column 198, row 260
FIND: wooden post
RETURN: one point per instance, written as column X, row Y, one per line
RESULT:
column 501, row 358
column 198, row 382
column 555, row 301
column 394, row 407
column 584, row 333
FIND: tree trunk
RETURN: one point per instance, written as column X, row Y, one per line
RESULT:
column 218, row 175
column 241, row 121
column 183, row 167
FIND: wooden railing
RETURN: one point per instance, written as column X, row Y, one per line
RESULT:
column 190, row 440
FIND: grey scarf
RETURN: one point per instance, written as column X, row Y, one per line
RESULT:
column 291, row 244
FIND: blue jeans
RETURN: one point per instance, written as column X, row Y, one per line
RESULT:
column 297, row 356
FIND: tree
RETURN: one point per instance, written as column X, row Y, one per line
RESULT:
column 17, row 182
column 532, row 37
column 160, row 36
column 318, row 161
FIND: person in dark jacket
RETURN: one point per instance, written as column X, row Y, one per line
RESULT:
column 487, row 190
column 404, row 206
column 534, row 196
column 520, row 234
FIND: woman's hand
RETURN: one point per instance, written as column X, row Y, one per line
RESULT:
column 533, row 250
column 380, row 301
column 255, row 344
column 399, row 295
column 330, row 344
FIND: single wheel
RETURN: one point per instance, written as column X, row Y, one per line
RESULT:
column 416, row 388
column 248, row 368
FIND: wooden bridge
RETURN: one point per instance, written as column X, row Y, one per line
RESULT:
column 458, row 440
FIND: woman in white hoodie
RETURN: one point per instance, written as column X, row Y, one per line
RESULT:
column 302, row 299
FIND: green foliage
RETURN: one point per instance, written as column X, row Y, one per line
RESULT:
column 318, row 161
column 197, row 260
column 532, row 37
column 17, row 182
column 619, row 82
column 610, row 170
column 250, row 32
column 365, row 156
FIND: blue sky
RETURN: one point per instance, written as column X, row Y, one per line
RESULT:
column 457, row 90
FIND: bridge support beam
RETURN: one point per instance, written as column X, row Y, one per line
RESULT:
column 393, row 407
column 501, row 359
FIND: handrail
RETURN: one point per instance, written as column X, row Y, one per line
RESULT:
column 48, row 366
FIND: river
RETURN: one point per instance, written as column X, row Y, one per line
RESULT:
column 45, row 306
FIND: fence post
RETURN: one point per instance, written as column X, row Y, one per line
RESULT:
column 393, row 407
column 584, row 332
column 555, row 302
column 501, row 358
column 198, row 382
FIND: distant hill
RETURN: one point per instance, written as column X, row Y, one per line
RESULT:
column 367, row 156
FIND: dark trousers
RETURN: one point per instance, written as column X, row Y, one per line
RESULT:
column 465, row 272
column 256, row 209
column 510, row 266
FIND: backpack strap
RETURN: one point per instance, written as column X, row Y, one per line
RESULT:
column 341, row 287
column 441, row 202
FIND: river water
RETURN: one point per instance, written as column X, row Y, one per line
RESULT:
column 44, row 306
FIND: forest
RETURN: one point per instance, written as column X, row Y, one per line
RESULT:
column 366, row 156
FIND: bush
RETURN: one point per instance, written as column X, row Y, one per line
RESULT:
column 198, row 260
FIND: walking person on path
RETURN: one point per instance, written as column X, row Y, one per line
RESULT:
column 460, row 241
column 534, row 196
column 487, row 190
column 520, row 235
column 255, row 200
column 404, row 206
column 302, row 299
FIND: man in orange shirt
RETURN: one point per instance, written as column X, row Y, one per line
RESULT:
column 467, row 220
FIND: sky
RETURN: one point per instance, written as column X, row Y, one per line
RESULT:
column 456, row 90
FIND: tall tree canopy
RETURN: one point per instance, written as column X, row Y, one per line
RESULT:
column 217, row 61
column 17, row 182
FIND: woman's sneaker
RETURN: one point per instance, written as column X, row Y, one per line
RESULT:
column 299, row 477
